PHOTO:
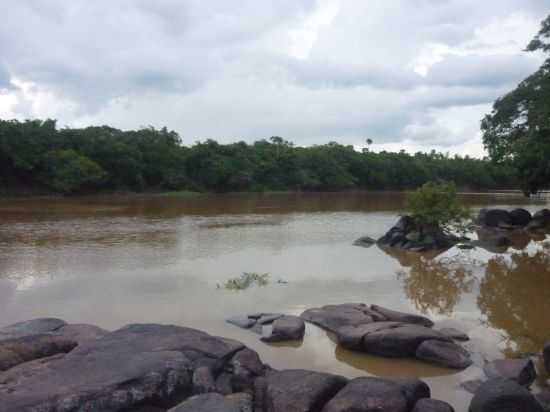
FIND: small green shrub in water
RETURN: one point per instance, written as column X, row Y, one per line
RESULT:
column 246, row 280
column 435, row 204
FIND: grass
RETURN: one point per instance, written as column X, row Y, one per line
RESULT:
column 246, row 280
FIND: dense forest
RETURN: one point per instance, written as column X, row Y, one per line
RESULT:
column 38, row 157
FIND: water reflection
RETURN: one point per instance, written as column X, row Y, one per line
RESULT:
column 514, row 296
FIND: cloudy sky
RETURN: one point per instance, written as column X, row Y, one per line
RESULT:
column 411, row 74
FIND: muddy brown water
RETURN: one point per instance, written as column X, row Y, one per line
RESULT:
column 115, row 260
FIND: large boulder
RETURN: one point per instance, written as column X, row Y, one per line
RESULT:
column 395, row 316
column 447, row 354
column 455, row 334
column 333, row 317
column 286, row 328
column 299, row 390
column 31, row 327
column 26, row 348
column 521, row 371
column 432, row 405
column 80, row 332
column 503, row 395
column 214, row 402
column 351, row 337
column 494, row 218
column 135, row 365
column 369, row 394
column 520, row 217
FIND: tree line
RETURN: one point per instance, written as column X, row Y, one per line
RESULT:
column 38, row 156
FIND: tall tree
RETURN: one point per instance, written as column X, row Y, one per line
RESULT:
column 518, row 128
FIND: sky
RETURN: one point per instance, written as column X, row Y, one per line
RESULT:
column 408, row 74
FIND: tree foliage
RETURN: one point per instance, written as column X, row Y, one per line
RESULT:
column 437, row 205
column 37, row 153
column 518, row 128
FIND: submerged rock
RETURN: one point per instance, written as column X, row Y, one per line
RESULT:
column 447, row 354
column 365, row 241
column 333, row 317
column 393, row 315
column 521, row 371
column 503, row 395
column 286, row 328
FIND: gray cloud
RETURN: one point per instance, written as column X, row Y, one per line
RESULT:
column 309, row 70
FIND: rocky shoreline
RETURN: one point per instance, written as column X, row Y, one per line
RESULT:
column 48, row 365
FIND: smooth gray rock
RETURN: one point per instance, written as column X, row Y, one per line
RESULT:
column 395, row 316
column 432, row 405
column 333, row 317
column 31, row 327
column 447, row 354
column 286, row 328
column 203, row 380
column 246, row 362
column 471, row 385
column 413, row 389
column 244, row 322
column 26, row 348
column 367, row 395
column 521, row 371
column 351, row 337
column 494, row 217
column 134, row 365
column 455, row 334
column 299, row 390
column 520, row 217
column 214, row 402
column 268, row 318
column 503, row 395
column 365, row 241
column 81, row 333
column 401, row 341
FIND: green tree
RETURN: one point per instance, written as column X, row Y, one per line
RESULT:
column 437, row 205
column 518, row 128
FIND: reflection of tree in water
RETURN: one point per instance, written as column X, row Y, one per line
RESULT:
column 436, row 284
column 515, row 297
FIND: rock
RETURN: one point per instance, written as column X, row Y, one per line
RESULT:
column 246, row 362
column 365, row 241
column 520, row 217
column 492, row 240
column 245, row 322
column 351, row 337
column 135, row 365
column 368, row 394
column 31, row 327
column 446, row 354
column 521, row 371
column 455, row 334
column 471, row 385
column 413, row 389
column 81, row 333
column 543, row 214
column 546, row 356
column 286, row 328
column 299, row 390
column 432, row 405
column 333, row 317
column 26, row 348
column 214, row 402
column 267, row 319
column 494, row 217
column 203, row 380
column 400, row 341
column 395, row 316
column 405, row 223
column 503, row 395
column 543, row 398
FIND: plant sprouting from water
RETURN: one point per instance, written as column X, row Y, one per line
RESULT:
column 246, row 280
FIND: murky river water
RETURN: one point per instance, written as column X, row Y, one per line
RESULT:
column 117, row 260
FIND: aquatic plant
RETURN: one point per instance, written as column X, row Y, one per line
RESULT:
column 246, row 280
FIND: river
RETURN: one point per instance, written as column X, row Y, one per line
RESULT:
column 113, row 260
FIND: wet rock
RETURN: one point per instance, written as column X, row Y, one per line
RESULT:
column 546, row 356
column 81, row 333
column 494, row 217
column 31, row 327
column 492, row 240
column 246, row 362
column 471, row 385
column 333, row 317
column 267, row 319
column 521, row 371
column 446, row 354
column 351, row 337
column 543, row 214
column 520, row 217
column 503, row 395
column 214, row 402
column 203, row 380
column 299, row 390
column 455, row 334
column 395, row 316
column 132, row 366
column 413, row 389
column 286, row 328
column 365, row 241
column 368, row 394
column 432, row 405
column 543, row 398
column 26, row 348
column 400, row 341
column 245, row 322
